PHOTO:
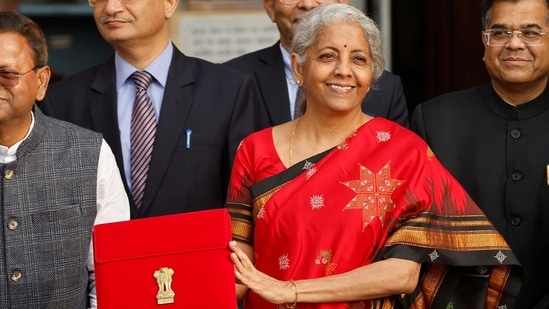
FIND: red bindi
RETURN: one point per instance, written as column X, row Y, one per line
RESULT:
column 345, row 45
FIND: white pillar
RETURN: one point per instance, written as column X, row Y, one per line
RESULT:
column 382, row 12
column 384, row 18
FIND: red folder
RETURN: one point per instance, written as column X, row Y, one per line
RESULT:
column 175, row 261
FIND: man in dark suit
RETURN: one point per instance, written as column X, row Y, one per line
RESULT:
column 271, row 70
column 203, row 110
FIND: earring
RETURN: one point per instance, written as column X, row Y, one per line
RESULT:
column 298, row 82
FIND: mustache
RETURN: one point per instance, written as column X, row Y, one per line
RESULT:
column 105, row 19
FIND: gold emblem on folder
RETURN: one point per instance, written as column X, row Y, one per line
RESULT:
column 165, row 293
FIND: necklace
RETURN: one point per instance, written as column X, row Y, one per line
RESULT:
column 292, row 142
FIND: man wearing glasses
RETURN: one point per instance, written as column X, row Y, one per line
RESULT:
column 273, row 75
column 56, row 181
column 494, row 138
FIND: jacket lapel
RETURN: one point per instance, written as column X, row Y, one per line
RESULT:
column 176, row 105
column 104, row 117
column 103, row 107
column 271, row 81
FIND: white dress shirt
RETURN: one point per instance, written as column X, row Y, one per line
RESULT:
column 290, row 82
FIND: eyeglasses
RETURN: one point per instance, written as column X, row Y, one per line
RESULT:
column 100, row 3
column 500, row 37
column 9, row 79
column 289, row 2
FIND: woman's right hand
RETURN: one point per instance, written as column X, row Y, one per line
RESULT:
column 269, row 288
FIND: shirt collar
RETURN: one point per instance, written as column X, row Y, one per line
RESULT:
column 157, row 68
column 9, row 154
column 287, row 65
column 523, row 111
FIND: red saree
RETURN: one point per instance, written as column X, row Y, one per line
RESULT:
column 379, row 194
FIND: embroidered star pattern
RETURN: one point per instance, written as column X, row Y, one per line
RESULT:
column 383, row 136
column 307, row 165
column 434, row 255
column 283, row 262
column 325, row 259
column 373, row 193
column 316, row 201
column 500, row 256
column 310, row 172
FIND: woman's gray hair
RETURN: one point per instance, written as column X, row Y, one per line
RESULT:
column 315, row 21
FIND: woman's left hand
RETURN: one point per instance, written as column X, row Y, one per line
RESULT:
column 269, row 288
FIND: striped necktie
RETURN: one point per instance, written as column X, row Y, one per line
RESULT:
column 142, row 132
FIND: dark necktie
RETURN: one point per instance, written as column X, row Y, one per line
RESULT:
column 299, row 102
column 142, row 132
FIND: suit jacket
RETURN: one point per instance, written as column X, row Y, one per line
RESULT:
column 267, row 68
column 216, row 102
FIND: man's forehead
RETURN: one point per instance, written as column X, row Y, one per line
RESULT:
column 519, row 14
column 516, row 26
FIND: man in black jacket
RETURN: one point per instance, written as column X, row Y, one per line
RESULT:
column 493, row 138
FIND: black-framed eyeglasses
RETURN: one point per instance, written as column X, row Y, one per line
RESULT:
column 289, row 2
column 500, row 37
column 10, row 79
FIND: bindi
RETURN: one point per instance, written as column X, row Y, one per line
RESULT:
column 345, row 46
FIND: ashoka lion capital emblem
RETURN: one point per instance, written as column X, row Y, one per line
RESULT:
column 165, row 293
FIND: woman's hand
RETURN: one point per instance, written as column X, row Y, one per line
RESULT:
column 269, row 288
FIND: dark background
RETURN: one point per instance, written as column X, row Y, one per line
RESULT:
column 437, row 47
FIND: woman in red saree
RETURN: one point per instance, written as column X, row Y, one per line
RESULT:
column 338, row 209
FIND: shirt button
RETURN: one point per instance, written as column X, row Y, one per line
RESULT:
column 16, row 276
column 515, row 221
column 12, row 224
column 9, row 174
column 515, row 133
column 516, row 176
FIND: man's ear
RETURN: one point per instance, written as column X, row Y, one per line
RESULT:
column 43, row 76
column 269, row 8
column 170, row 6
column 483, row 38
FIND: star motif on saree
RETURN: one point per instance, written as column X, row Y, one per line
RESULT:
column 373, row 193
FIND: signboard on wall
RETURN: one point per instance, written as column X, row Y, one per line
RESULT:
column 218, row 36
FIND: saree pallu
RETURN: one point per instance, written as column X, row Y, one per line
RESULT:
column 380, row 194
